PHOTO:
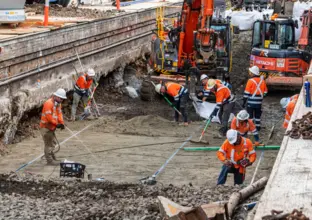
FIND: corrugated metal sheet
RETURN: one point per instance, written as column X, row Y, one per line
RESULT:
column 12, row 4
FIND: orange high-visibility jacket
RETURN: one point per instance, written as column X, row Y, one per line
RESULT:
column 237, row 153
column 244, row 127
column 82, row 84
column 51, row 115
column 255, row 90
column 175, row 90
column 294, row 97
column 289, row 110
column 223, row 95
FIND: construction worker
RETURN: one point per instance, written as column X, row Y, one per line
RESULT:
column 180, row 95
column 51, row 118
column 243, row 125
column 225, row 103
column 206, row 92
column 236, row 153
column 254, row 92
column 288, row 104
column 81, row 91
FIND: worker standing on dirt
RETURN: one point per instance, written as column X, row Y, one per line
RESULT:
column 289, row 105
column 52, row 118
column 254, row 92
column 81, row 91
column 236, row 153
column 180, row 95
column 243, row 125
column 206, row 92
column 225, row 104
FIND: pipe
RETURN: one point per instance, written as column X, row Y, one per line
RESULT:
column 214, row 148
column 46, row 13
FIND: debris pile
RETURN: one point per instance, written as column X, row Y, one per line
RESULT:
column 295, row 214
column 301, row 127
column 36, row 198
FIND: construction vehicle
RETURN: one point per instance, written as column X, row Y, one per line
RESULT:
column 12, row 11
column 188, row 45
column 275, row 52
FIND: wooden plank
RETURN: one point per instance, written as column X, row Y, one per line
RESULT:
column 290, row 182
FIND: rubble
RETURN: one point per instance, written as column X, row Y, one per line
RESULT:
column 36, row 198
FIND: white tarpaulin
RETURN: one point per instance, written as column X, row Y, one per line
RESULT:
column 298, row 9
column 204, row 109
column 244, row 19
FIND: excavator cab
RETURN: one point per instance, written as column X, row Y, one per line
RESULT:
column 274, row 52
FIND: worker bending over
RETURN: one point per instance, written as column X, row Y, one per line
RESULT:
column 254, row 92
column 236, row 153
column 289, row 105
column 51, row 118
column 81, row 91
column 180, row 95
column 225, row 103
column 243, row 125
column 206, row 91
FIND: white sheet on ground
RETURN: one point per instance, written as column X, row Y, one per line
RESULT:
column 204, row 109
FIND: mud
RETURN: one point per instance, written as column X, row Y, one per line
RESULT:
column 59, row 11
column 37, row 198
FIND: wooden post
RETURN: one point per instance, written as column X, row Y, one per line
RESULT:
column 118, row 4
column 46, row 13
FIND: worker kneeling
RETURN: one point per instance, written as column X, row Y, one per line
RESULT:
column 288, row 104
column 180, row 95
column 52, row 118
column 243, row 125
column 81, row 91
column 236, row 153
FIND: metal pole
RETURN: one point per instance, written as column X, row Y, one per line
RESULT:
column 46, row 13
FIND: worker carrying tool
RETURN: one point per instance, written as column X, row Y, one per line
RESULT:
column 225, row 104
column 81, row 91
column 206, row 91
column 254, row 92
column 243, row 125
column 288, row 104
column 52, row 118
column 236, row 153
column 180, row 95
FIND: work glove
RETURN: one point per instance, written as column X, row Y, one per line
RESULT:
column 227, row 163
column 257, row 143
column 61, row 126
column 244, row 162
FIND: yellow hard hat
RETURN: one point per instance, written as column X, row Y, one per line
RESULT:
column 211, row 83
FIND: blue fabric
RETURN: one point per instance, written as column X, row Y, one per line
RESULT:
column 238, row 177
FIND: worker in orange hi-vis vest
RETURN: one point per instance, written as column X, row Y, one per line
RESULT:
column 288, row 104
column 225, row 101
column 243, row 125
column 236, row 153
column 180, row 96
column 51, row 118
column 81, row 91
column 254, row 92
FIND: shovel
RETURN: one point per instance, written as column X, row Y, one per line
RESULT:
column 202, row 134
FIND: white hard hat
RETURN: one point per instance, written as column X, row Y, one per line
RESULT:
column 211, row 83
column 90, row 72
column 157, row 88
column 255, row 70
column 61, row 93
column 284, row 102
column 242, row 115
column 203, row 76
column 231, row 135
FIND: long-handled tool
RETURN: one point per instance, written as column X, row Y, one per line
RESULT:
column 168, row 101
column 83, row 70
column 30, row 162
column 88, row 106
column 262, row 152
column 205, row 128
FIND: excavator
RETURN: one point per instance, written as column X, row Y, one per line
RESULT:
column 188, row 45
column 281, row 61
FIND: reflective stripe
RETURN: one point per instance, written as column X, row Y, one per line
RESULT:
column 221, row 150
column 232, row 156
column 252, row 152
column 254, row 102
column 257, row 119
column 257, row 88
column 43, row 122
column 286, row 120
column 48, row 112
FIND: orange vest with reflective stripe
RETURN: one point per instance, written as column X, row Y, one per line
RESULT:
column 237, row 153
column 289, row 110
column 82, row 82
column 51, row 115
column 173, row 89
column 255, row 90
column 243, row 127
column 222, row 94
column 294, row 97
